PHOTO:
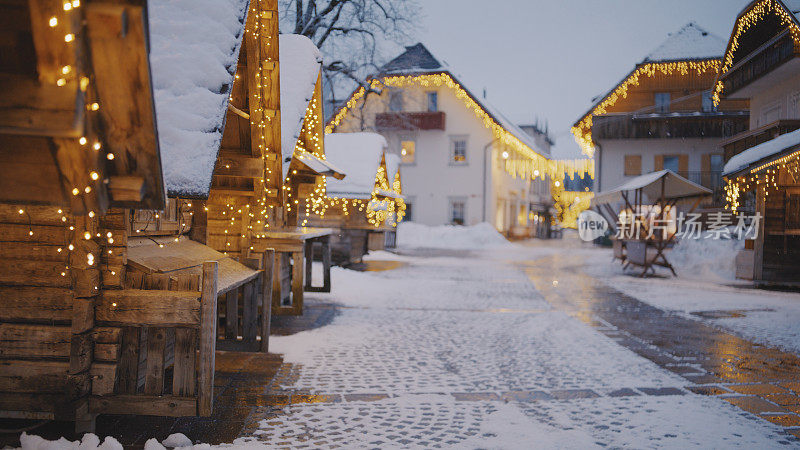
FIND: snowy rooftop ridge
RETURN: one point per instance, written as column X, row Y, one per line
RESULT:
column 300, row 63
column 689, row 43
column 359, row 156
column 416, row 58
column 194, row 45
column 761, row 152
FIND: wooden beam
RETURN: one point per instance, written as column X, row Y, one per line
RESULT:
column 208, row 339
column 119, row 45
column 266, row 297
column 155, row 308
column 144, row 405
column 30, row 108
column 34, row 341
column 29, row 303
column 128, row 190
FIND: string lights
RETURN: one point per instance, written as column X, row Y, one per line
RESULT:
column 522, row 161
column 582, row 131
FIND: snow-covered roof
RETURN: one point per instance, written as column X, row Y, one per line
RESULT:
column 690, row 42
column 416, row 58
column 359, row 156
column 762, row 152
column 300, row 63
column 194, row 46
column 674, row 187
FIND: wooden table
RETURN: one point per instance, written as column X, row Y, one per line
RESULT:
column 295, row 244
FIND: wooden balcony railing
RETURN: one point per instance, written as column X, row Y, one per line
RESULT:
column 670, row 125
column 749, row 139
column 760, row 62
column 410, row 121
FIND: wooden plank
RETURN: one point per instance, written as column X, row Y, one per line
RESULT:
column 208, row 339
column 30, row 176
column 80, row 353
column 156, row 308
column 33, row 252
column 31, row 108
column 119, row 45
column 266, row 298
column 33, row 376
column 41, row 234
column 239, row 166
column 309, row 263
column 82, row 315
column 249, row 312
column 144, row 405
column 128, row 370
column 184, row 375
column 106, row 352
column 232, row 314
column 34, row 341
column 298, row 269
column 127, row 189
column 18, row 303
column 33, row 214
column 154, row 371
column 56, row 404
column 103, row 377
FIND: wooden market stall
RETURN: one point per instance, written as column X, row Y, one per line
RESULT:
column 108, row 306
column 363, row 207
column 642, row 211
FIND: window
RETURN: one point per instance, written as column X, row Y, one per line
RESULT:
column 458, row 211
column 672, row 163
column 633, row 165
column 408, row 152
column 433, row 101
column 794, row 106
column 396, row 102
column 708, row 102
column 662, row 101
column 458, row 150
column 409, row 217
column 717, row 163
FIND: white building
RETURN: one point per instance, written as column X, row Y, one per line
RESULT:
column 458, row 152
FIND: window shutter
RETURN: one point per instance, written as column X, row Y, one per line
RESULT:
column 659, row 162
column 705, row 167
column 633, row 165
column 683, row 165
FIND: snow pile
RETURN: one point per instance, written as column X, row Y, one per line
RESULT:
column 88, row 442
column 691, row 42
column 759, row 152
column 300, row 63
column 392, row 166
column 194, row 45
column 359, row 156
column 706, row 259
column 482, row 235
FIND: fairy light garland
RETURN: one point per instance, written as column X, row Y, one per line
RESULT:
column 763, row 178
column 582, row 131
column 522, row 160
column 756, row 14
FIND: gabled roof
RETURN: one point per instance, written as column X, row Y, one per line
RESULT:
column 689, row 43
column 416, row 58
column 194, row 47
column 359, row 155
column 762, row 153
column 300, row 63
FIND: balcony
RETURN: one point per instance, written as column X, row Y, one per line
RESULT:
column 410, row 121
column 759, row 63
column 670, row 125
column 748, row 139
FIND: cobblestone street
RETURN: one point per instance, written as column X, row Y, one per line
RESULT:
column 520, row 344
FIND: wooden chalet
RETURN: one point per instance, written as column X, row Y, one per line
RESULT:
column 116, row 233
column 365, row 206
column 762, row 165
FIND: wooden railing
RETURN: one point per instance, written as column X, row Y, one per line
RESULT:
column 749, row 139
column 245, row 311
column 760, row 62
column 670, row 126
column 163, row 343
column 410, row 121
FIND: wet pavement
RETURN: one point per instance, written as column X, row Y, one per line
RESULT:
column 762, row 380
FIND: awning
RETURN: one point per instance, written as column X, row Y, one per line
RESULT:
column 675, row 187
column 319, row 165
column 763, row 153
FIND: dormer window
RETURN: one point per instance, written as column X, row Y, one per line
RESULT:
column 663, row 100
column 396, row 102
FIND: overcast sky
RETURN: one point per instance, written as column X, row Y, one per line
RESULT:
column 548, row 58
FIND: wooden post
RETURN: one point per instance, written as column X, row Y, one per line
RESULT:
column 326, row 264
column 309, row 250
column 297, row 283
column 232, row 314
column 208, row 338
column 266, row 298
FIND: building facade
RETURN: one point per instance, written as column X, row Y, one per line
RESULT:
column 662, row 116
column 762, row 65
column 463, row 163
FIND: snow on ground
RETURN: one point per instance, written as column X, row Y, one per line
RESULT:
column 483, row 235
column 440, row 327
column 706, row 282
